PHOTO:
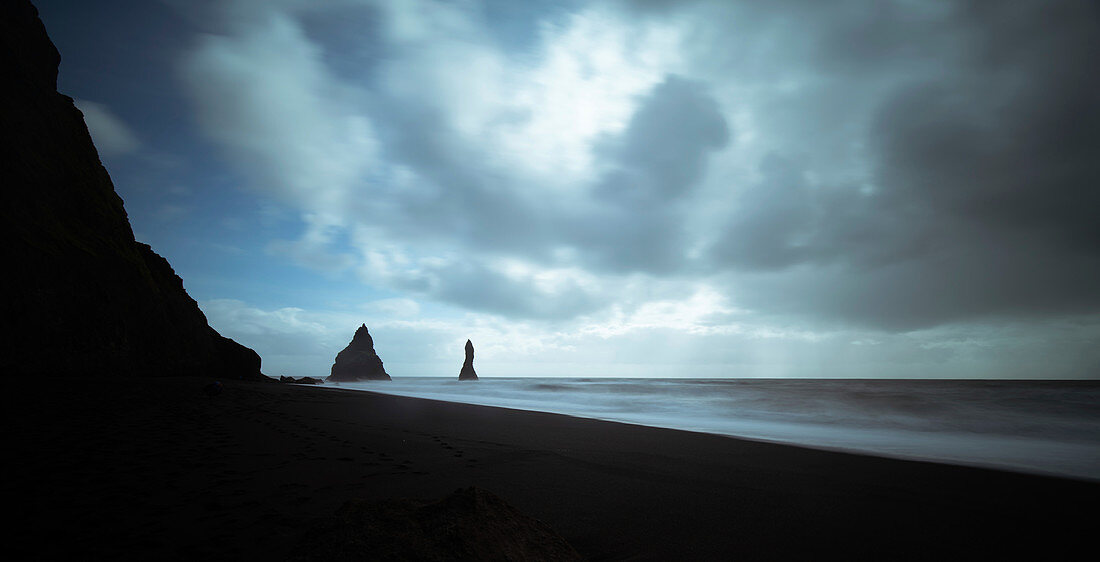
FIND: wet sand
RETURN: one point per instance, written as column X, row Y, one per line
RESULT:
column 153, row 468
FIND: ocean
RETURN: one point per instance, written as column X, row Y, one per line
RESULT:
column 1047, row 427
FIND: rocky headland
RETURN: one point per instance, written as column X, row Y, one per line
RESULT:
column 82, row 296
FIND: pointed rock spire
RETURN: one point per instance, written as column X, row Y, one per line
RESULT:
column 467, row 373
column 358, row 361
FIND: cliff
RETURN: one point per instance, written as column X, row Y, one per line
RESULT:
column 80, row 295
column 358, row 361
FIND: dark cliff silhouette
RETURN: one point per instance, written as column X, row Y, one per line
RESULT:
column 358, row 361
column 80, row 295
column 467, row 373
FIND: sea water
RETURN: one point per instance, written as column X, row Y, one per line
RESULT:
column 1050, row 427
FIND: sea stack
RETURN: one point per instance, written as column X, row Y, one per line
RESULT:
column 358, row 361
column 467, row 373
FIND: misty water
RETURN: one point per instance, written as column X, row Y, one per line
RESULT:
column 1048, row 427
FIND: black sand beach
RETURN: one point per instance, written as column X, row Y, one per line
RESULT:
column 154, row 469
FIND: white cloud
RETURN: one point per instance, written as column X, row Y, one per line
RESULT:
column 591, row 72
column 395, row 307
column 264, row 94
column 111, row 135
column 311, row 250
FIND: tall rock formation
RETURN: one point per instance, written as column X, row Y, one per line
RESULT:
column 467, row 373
column 80, row 295
column 358, row 361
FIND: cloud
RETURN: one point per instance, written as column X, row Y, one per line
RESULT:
column 264, row 94
column 396, row 307
column 653, row 167
column 666, row 140
column 895, row 167
column 312, row 248
column 511, row 288
column 973, row 201
column 111, row 135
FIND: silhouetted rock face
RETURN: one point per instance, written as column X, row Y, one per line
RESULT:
column 467, row 373
column 469, row 524
column 358, row 361
column 80, row 295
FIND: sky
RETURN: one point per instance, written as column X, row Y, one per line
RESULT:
column 859, row 188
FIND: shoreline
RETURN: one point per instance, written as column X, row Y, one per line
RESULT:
column 153, row 467
column 1076, row 471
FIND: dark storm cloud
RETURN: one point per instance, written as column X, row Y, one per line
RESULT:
column 661, row 154
column 985, row 182
column 1012, row 140
column 654, row 165
column 783, row 220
